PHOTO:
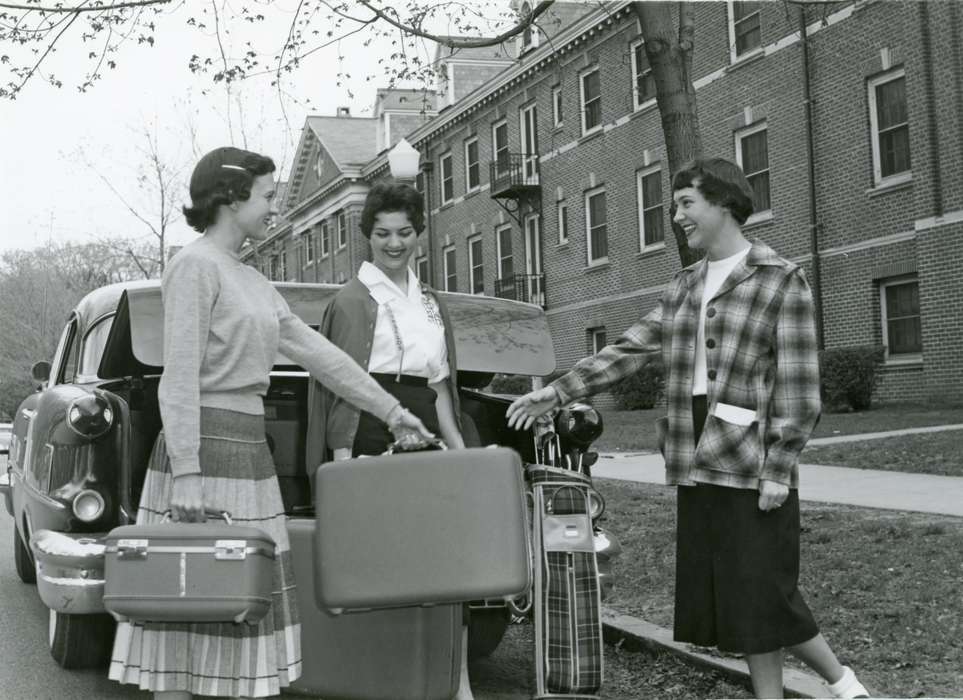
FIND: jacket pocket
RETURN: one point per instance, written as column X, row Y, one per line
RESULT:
column 729, row 447
column 661, row 432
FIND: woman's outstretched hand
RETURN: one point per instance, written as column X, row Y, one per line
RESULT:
column 407, row 427
column 525, row 409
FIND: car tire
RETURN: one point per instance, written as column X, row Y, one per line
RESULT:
column 81, row 641
column 486, row 627
column 26, row 569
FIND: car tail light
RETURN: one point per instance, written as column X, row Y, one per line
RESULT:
column 90, row 416
column 88, row 505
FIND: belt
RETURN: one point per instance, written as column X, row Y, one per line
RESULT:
column 406, row 379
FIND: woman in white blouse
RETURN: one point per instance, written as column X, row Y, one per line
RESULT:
column 394, row 326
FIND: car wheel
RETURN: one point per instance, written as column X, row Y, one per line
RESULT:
column 81, row 641
column 486, row 627
column 26, row 569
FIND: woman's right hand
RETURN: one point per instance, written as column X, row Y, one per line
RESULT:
column 187, row 499
column 407, row 428
column 525, row 409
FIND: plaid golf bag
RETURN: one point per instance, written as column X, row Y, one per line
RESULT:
column 567, row 599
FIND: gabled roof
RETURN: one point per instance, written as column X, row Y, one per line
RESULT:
column 351, row 141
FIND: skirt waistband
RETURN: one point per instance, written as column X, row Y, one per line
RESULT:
column 222, row 423
column 406, row 379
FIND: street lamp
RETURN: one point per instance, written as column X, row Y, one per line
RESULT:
column 403, row 161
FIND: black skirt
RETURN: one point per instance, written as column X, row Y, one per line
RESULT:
column 737, row 568
column 373, row 436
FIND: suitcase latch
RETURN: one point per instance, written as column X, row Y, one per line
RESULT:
column 230, row 549
column 132, row 549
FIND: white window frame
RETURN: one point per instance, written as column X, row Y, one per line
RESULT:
column 901, row 358
column 499, row 257
column 523, row 46
column 635, row 79
column 731, row 23
column 475, row 264
column 495, row 126
column 422, row 260
column 561, row 222
column 557, row 116
column 871, row 86
column 581, row 88
column 451, row 176
column 444, row 255
column 342, row 229
column 594, row 338
column 468, row 186
column 324, row 236
column 309, row 252
column 644, row 206
column 738, row 136
column 588, row 227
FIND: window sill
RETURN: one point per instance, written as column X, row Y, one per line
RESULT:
column 904, row 362
column 589, row 135
column 600, row 264
column 894, row 184
column 646, row 107
column 559, row 127
column 745, row 60
column 561, row 246
column 446, row 205
column 650, row 250
column 472, row 192
column 763, row 218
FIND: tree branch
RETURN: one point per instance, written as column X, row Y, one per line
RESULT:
column 76, row 9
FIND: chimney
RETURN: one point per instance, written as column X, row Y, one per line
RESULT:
column 344, row 111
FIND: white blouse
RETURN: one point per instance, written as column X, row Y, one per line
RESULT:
column 411, row 320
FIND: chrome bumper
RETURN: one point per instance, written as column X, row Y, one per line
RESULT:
column 607, row 548
column 70, row 571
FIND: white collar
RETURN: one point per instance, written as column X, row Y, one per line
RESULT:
column 382, row 289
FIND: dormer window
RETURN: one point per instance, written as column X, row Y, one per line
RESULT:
column 528, row 39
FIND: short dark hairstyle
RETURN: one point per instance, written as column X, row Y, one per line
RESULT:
column 721, row 182
column 393, row 196
column 223, row 176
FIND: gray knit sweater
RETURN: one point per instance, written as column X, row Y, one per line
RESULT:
column 223, row 326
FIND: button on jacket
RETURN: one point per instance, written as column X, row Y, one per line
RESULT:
column 763, row 367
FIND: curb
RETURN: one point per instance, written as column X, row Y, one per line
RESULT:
column 636, row 634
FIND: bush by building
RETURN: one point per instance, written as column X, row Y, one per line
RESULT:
column 849, row 376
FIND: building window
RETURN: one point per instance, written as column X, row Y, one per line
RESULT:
column 503, row 244
column 472, row 172
column 595, row 226
column 476, row 266
column 529, row 38
column 745, row 33
column 308, row 247
column 591, row 101
column 557, row 105
column 597, row 339
column 900, row 307
column 889, row 121
column 651, row 212
column 325, row 239
column 451, row 271
column 342, row 230
column 421, row 269
column 561, row 212
column 500, row 145
column 447, row 179
column 752, row 155
column 643, row 82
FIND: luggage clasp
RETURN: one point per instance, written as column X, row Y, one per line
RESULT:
column 230, row 549
column 132, row 549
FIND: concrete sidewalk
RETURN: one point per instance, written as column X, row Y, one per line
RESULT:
column 924, row 493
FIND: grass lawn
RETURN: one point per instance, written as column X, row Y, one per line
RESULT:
column 633, row 430
column 927, row 453
column 884, row 586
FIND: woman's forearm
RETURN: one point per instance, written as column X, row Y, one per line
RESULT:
column 447, row 424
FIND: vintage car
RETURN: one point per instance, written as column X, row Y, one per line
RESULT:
column 81, row 444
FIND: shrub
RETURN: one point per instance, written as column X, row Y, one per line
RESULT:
column 514, row 384
column 641, row 390
column 849, row 376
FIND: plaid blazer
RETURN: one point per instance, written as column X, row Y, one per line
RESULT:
column 763, row 367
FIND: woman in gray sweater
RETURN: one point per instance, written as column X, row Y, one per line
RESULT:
column 224, row 324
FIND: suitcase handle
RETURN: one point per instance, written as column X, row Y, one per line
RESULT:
column 396, row 448
column 208, row 512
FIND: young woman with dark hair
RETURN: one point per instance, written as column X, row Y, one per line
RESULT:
column 224, row 324
column 736, row 334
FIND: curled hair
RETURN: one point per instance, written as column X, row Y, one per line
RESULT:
column 223, row 176
column 721, row 182
column 389, row 197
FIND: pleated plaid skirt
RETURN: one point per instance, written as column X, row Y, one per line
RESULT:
column 220, row 659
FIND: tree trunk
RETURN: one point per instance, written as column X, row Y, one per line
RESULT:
column 668, row 33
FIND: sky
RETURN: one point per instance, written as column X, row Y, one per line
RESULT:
column 58, row 145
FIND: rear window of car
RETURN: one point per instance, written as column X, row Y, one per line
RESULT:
column 93, row 347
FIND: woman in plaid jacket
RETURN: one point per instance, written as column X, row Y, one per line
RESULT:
column 736, row 334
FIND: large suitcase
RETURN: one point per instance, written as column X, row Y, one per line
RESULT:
column 188, row 572
column 421, row 528
column 567, row 596
column 399, row 654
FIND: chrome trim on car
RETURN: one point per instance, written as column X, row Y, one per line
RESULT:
column 70, row 571
column 6, row 488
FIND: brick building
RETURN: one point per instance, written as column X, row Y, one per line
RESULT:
column 546, row 175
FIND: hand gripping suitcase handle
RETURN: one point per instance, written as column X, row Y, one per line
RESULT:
column 396, row 447
column 212, row 513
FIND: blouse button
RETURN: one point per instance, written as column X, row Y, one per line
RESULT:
column 710, row 312
column 711, row 374
column 710, row 343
